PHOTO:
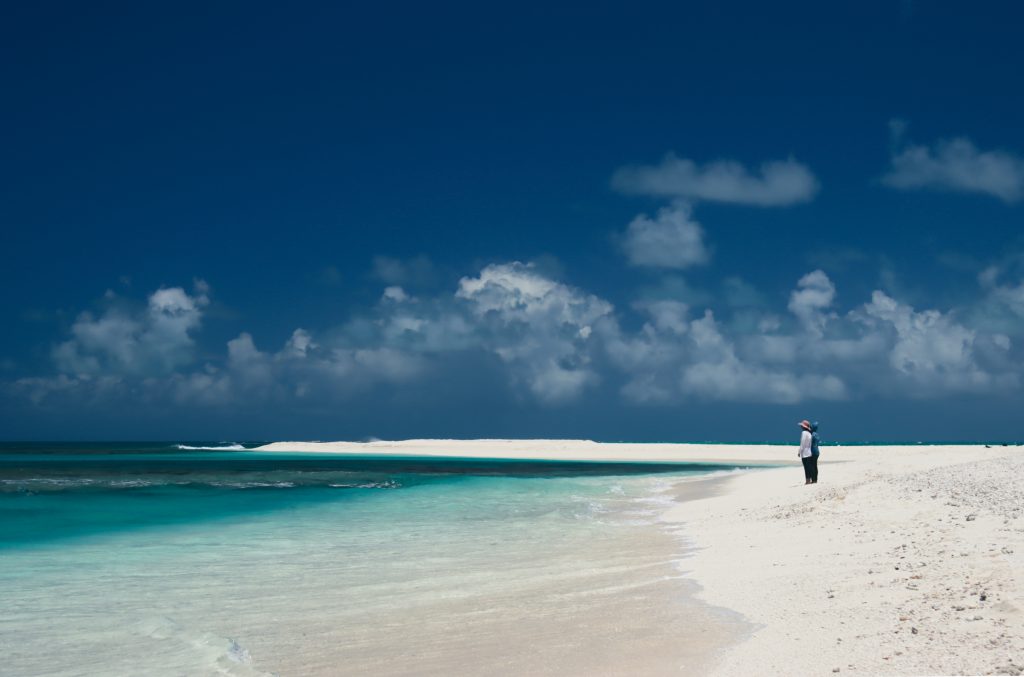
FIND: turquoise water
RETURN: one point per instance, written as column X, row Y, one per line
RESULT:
column 143, row 558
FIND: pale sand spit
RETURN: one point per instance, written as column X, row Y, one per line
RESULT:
column 550, row 450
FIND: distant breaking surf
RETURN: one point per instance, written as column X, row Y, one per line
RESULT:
column 228, row 447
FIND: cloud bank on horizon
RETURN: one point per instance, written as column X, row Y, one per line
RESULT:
column 555, row 341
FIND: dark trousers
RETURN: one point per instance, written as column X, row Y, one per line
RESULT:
column 810, row 468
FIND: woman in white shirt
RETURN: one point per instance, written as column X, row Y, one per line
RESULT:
column 806, row 453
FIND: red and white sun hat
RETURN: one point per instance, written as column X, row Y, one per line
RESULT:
column 805, row 424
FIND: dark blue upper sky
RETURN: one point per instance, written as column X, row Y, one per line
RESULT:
column 274, row 168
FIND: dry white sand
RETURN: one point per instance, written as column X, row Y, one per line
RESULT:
column 901, row 561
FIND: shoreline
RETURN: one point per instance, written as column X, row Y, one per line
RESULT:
column 902, row 560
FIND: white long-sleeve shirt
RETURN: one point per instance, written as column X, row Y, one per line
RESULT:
column 805, row 444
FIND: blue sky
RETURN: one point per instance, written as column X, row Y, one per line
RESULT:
column 653, row 221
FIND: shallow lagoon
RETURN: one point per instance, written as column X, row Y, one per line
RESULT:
column 152, row 558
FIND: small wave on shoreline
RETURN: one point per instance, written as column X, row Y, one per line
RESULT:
column 226, row 447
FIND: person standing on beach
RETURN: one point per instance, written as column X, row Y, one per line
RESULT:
column 806, row 453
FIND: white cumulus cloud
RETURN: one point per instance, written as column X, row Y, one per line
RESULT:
column 717, row 372
column 813, row 295
column 929, row 347
column 672, row 239
column 539, row 327
column 958, row 165
column 774, row 184
column 154, row 341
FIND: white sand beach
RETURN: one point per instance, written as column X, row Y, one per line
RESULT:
column 903, row 560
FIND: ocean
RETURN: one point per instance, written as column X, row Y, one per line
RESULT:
column 199, row 558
